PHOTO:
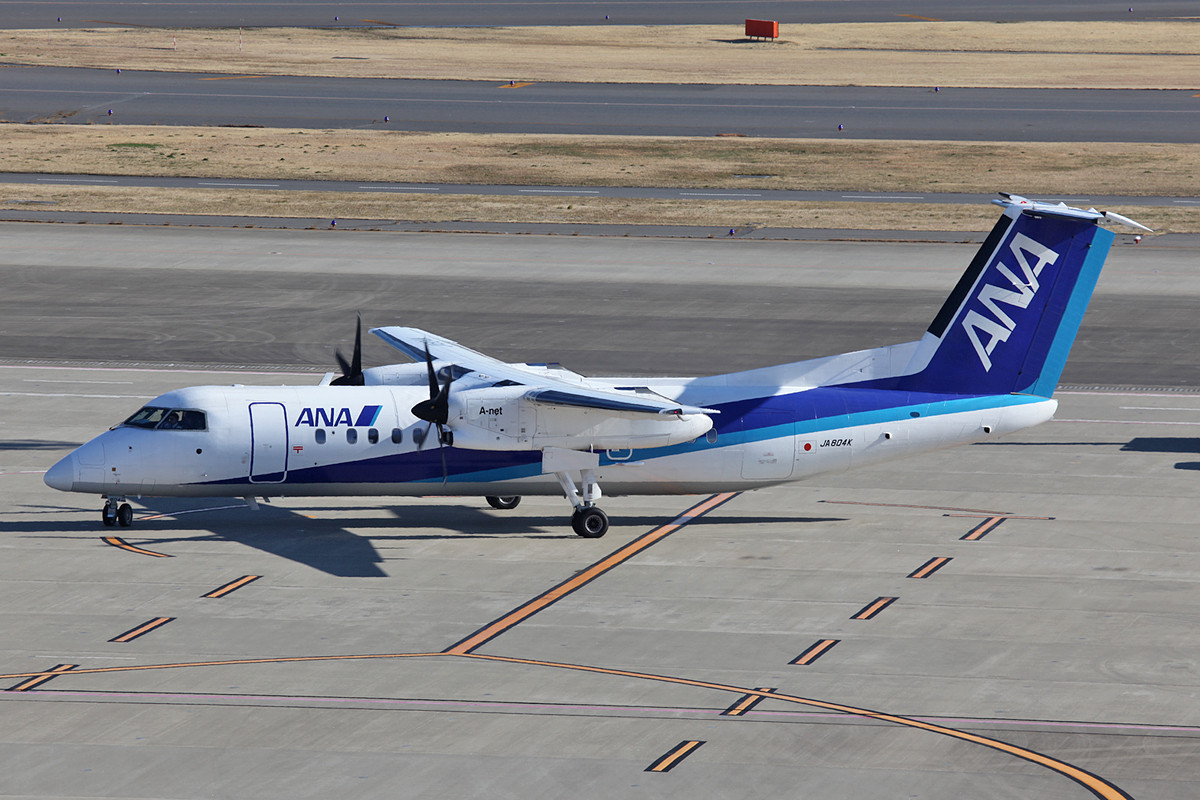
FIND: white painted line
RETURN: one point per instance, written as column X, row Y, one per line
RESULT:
column 402, row 188
column 718, row 194
column 560, row 191
column 1189, row 202
column 1125, row 422
column 72, row 394
column 883, row 197
column 167, row 370
column 253, row 185
column 56, row 380
column 77, row 180
column 1193, row 409
column 193, row 511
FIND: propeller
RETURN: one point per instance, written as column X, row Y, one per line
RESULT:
column 352, row 374
column 436, row 410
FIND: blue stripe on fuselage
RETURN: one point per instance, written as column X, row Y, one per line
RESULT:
column 798, row 413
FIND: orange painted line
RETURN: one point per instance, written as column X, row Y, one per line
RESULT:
column 1094, row 783
column 233, row 78
column 381, row 22
column 232, row 586
column 1097, row 785
column 117, row 541
column 879, row 604
column 973, row 511
column 673, row 756
column 48, row 675
column 918, row 16
column 235, row 662
column 982, row 529
column 513, row 85
column 141, row 630
column 747, row 702
column 553, row 595
column 817, row 650
column 999, row 514
column 929, row 567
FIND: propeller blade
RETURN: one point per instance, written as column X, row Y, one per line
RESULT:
column 352, row 374
column 433, row 384
column 442, row 451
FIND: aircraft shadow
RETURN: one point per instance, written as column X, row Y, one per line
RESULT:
column 1167, row 444
column 325, row 544
column 1163, row 444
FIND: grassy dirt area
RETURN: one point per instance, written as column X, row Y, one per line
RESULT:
column 1116, row 55
column 1125, row 55
column 321, row 207
column 694, row 162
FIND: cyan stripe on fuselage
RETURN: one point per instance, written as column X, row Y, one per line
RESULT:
column 740, row 422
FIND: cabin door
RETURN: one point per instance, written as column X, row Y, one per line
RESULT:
column 268, row 443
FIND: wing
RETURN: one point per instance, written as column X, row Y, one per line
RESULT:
column 544, row 388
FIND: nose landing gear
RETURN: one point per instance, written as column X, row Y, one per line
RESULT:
column 588, row 521
column 116, row 512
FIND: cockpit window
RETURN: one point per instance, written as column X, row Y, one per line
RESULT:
column 177, row 419
column 147, row 417
column 183, row 419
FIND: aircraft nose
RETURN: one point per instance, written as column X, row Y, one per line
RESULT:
column 62, row 475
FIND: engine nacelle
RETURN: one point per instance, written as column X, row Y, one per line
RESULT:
column 502, row 418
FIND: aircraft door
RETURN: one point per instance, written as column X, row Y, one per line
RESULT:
column 769, row 459
column 268, row 443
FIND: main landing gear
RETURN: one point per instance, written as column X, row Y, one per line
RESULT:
column 503, row 503
column 588, row 521
column 116, row 512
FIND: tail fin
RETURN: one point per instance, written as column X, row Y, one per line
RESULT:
column 1010, row 322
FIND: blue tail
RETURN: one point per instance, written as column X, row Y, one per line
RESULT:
column 1009, row 323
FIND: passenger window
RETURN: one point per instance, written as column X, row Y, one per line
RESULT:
column 319, row 434
column 397, row 435
column 372, row 436
column 352, row 436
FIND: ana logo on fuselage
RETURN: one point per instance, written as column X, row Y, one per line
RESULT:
column 998, row 326
column 333, row 417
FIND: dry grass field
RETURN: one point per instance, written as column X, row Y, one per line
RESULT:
column 1154, row 55
column 1116, row 55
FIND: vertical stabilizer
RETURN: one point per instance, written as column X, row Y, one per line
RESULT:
column 1010, row 322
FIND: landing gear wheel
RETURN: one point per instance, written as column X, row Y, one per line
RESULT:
column 124, row 515
column 590, row 522
column 503, row 503
column 109, row 515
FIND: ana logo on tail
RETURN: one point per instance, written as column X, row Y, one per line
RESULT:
column 999, row 325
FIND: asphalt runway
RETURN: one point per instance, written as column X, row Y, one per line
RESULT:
column 207, row 14
column 86, row 96
column 606, row 305
column 1007, row 619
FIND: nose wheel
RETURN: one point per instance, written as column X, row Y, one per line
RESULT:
column 589, row 522
column 117, row 512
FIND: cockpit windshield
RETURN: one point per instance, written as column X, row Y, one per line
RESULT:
column 158, row 418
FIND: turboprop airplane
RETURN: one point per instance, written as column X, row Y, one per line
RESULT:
column 457, row 422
